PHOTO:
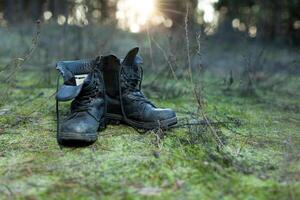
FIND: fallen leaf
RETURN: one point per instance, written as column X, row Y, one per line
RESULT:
column 179, row 183
column 150, row 191
column 4, row 111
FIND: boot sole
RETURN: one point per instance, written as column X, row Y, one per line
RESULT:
column 86, row 137
column 163, row 124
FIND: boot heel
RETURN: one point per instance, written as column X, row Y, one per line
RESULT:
column 102, row 125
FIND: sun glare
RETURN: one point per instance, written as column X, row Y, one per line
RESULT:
column 206, row 6
column 134, row 15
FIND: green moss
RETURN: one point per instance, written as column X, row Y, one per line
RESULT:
column 123, row 164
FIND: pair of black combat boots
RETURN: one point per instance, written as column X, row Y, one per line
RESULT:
column 106, row 90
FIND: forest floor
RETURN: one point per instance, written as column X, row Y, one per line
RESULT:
column 259, row 159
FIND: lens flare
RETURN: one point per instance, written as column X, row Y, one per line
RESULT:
column 134, row 15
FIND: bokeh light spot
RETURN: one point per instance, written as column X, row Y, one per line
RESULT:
column 61, row 19
column 47, row 15
column 252, row 31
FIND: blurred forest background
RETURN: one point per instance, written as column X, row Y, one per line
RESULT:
column 63, row 22
column 229, row 68
column 86, row 28
column 273, row 20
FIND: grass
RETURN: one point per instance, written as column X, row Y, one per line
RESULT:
column 124, row 164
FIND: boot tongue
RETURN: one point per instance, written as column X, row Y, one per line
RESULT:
column 72, row 90
column 130, row 67
column 88, row 82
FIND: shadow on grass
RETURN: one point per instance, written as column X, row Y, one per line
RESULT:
column 74, row 144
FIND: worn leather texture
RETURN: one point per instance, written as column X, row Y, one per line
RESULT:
column 88, row 107
column 135, row 105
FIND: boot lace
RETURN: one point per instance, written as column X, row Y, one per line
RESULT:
column 91, row 91
column 131, row 83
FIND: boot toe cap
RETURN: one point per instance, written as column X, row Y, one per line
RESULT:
column 77, row 126
column 167, row 114
column 162, row 114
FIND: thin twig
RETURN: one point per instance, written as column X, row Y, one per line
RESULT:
column 166, row 57
column 216, row 136
column 202, row 122
column 188, row 44
column 21, row 60
column 150, row 46
column 18, row 62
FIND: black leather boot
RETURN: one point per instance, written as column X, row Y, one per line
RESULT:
column 88, row 107
column 125, row 100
